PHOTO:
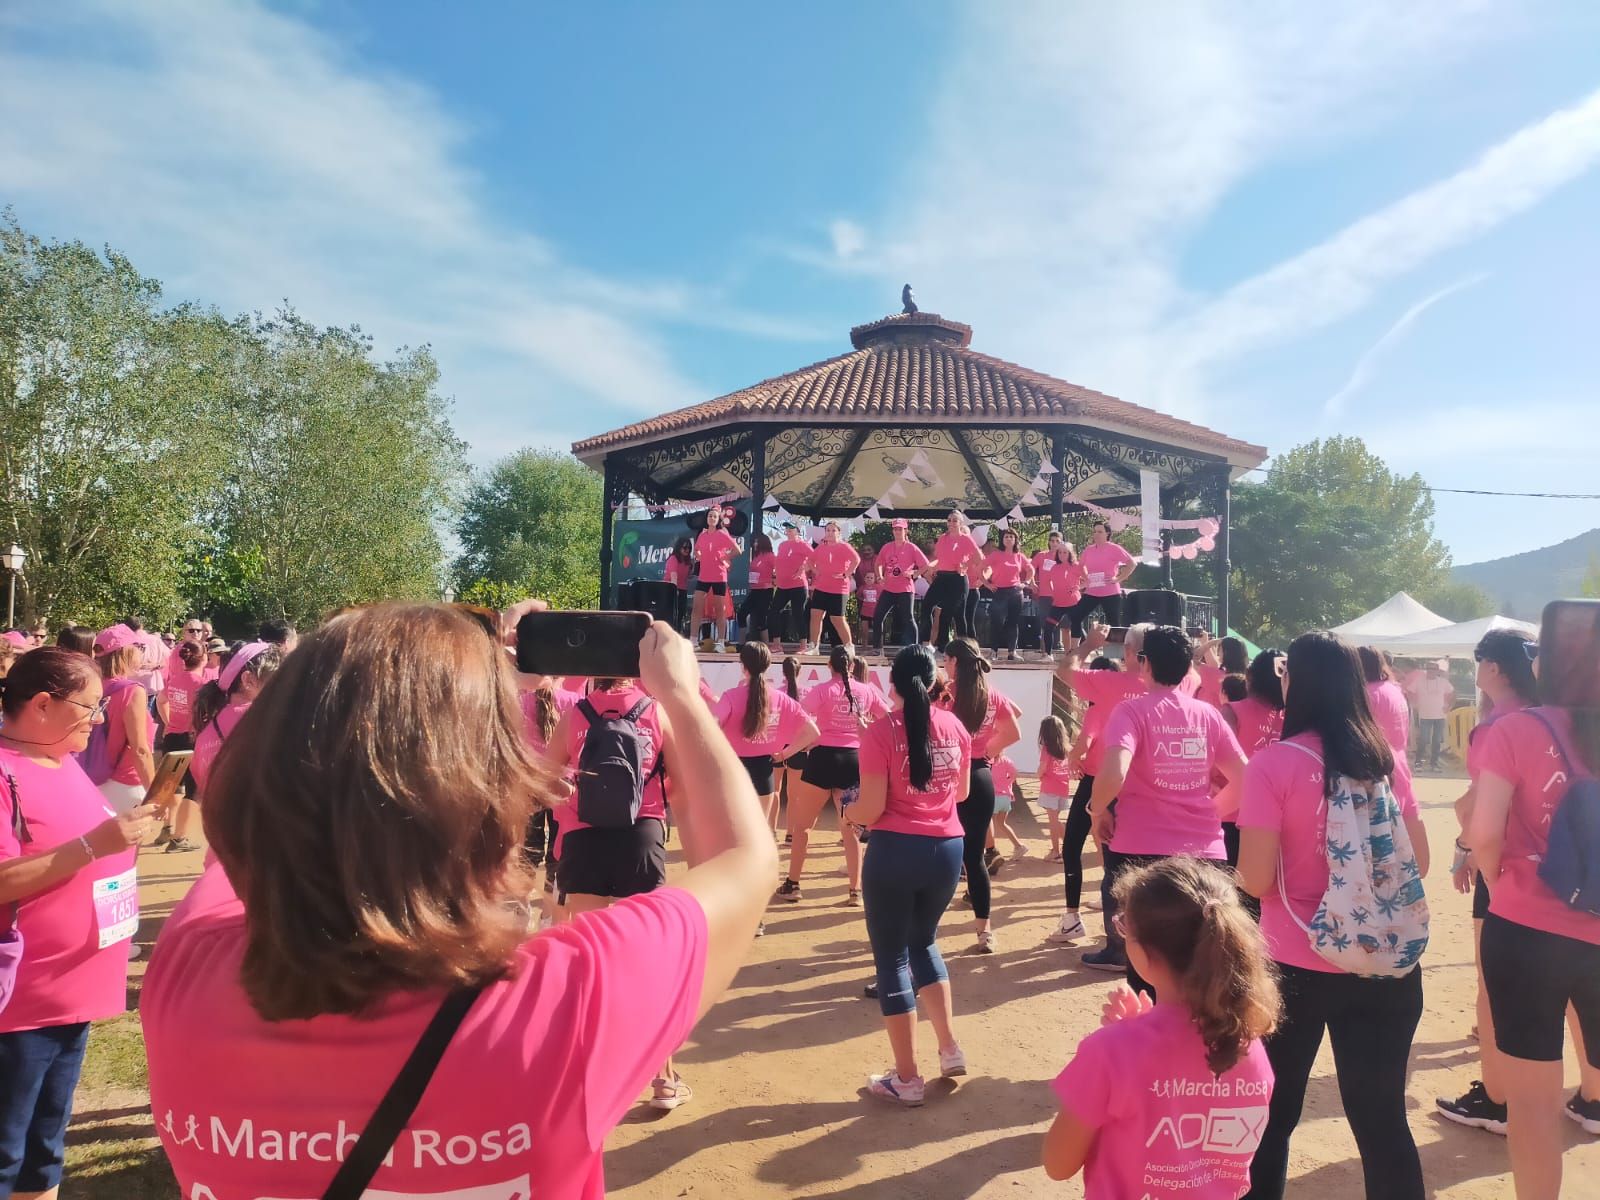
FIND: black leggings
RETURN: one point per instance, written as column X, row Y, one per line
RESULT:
column 1371, row 1023
column 790, row 609
column 895, row 605
column 753, row 614
column 1110, row 607
column 969, row 612
column 947, row 593
column 1073, row 839
column 976, row 811
column 1005, row 618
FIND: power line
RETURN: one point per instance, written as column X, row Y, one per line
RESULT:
column 1486, row 492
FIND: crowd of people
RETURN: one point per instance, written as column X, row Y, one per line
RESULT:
column 904, row 593
column 435, row 944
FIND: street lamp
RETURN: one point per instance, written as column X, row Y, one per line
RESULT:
column 449, row 594
column 12, row 560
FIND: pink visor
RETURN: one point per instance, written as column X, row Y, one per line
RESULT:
column 242, row 658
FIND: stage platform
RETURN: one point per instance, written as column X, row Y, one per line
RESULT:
column 1026, row 684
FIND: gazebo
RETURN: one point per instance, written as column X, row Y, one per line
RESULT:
column 913, row 407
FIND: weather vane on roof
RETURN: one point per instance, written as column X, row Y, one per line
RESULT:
column 908, row 303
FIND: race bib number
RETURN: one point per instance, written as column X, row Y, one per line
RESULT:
column 116, row 907
column 1098, row 579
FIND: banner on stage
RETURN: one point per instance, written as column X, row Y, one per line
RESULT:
column 1150, row 516
column 643, row 547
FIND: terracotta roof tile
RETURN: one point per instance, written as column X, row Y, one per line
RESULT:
column 919, row 367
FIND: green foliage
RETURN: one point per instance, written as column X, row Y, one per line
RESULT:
column 531, row 524
column 1590, row 585
column 1331, row 533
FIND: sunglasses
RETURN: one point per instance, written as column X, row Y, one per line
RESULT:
column 1531, row 649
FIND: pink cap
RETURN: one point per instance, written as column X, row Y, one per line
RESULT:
column 15, row 638
column 114, row 638
column 242, row 658
column 899, row 523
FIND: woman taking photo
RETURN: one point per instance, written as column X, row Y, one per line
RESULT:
column 1009, row 570
column 913, row 776
column 841, row 710
column 67, row 886
column 119, row 653
column 1328, row 732
column 1540, row 953
column 416, row 844
column 764, row 726
column 754, row 613
column 991, row 719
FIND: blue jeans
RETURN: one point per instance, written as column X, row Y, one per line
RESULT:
column 907, row 881
column 1431, row 742
column 38, row 1074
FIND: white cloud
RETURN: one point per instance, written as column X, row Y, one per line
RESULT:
column 1367, row 365
column 849, row 239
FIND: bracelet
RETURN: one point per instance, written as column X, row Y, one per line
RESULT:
column 87, row 849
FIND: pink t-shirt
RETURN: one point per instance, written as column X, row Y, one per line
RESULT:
column 762, row 568
column 1474, row 754
column 1519, row 749
column 560, row 698
column 896, row 562
column 1284, row 791
column 1166, row 1127
column 1165, row 805
column 1006, row 569
column 122, row 694
column 1434, row 695
column 714, row 547
column 930, row 812
column 1044, row 563
column 793, row 555
column 209, row 740
column 544, row 1065
column 1066, row 584
column 676, row 572
column 833, row 563
column 1101, row 561
column 868, row 599
column 953, row 550
column 182, row 685
column 831, row 708
column 75, row 958
column 608, row 704
column 1094, row 735
column 977, row 572
column 1004, row 773
column 998, row 703
column 1055, row 775
column 1210, row 683
column 784, row 719
column 1259, row 724
column 1388, row 704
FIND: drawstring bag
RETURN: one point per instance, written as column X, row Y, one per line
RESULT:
column 11, row 939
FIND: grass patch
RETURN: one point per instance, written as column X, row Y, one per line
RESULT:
column 112, row 1150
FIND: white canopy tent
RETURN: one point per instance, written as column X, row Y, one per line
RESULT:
column 1452, row 641
column 1397, row 616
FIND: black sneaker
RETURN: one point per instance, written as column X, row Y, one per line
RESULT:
column 790, row 891
column 1105, row 960
column 1585, row 1112
column 1475, row 1109
column 179, row 845
column 870, row 991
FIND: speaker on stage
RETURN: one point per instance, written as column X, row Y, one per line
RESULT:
column 654, row 596
column 628, row 596
column 1155, row 606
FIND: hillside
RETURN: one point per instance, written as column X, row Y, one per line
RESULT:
column 1521, row 584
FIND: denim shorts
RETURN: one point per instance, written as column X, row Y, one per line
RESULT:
column 38, row 1074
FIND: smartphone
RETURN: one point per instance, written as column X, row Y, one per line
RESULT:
column 1569, row 654
column 1116, row 635
column 169, row 773
column 596, row 645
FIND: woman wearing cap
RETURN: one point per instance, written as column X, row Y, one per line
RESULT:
column 946, row 602
column 119, row 653
column 225, row 701
column 901, row 563
column 67, row 875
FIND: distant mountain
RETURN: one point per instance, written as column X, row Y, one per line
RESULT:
column 1522, row 584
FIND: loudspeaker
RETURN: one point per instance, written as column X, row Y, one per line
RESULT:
column 738, row 524
column 654, row 596
column 627, row 596
column 1155, row 606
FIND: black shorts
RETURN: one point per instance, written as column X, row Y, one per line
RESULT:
column 1531, row 976
column 830, row 604
column 180, row 741
column 716, row 589
column 797, row 762
column 832, row 768
column 759, row 768
column 1480, row 898
column 613, row 862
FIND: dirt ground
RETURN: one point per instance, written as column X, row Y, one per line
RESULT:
column 778, row 1067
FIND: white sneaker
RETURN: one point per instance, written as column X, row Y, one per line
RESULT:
column 811, row 648
column 889, row 1086
column 952, row 1062
column 719, row 648
column 986, row 942
column 1069, row 930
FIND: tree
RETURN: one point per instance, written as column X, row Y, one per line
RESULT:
column 531, row 525
column 1331, row 533
column 342, row 470
column 1590, row 584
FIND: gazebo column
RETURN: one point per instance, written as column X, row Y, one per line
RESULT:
column 608, row 491
column 1224, row 565
column 758, row 493
column 1058, row 481
column 1166, row 542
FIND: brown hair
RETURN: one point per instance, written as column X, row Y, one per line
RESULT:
column 971, row 688
column 1373, row 668
column 1187, row 913
column 120, row 663
column 191, row 654
column 544, row 710
column 8, row 655
column 48, row 669
column 77, row 638
column 369, row 859
column 756, row 658
column 791, row 673
column 1053, row 737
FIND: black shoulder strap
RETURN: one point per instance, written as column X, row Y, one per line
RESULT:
column 638, row 710
column 401, row 1100
column 588, row 711
column 19, row 823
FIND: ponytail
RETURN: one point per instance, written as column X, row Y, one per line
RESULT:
column 911, row 676
column 972, row 689
column 839, row 662
column 756, row 658
column 544, row 710
column 791, row 676
column 1188, row 914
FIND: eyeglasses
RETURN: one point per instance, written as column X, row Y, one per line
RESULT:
column 1141, row 656
column 193, row 629
column 94, row 710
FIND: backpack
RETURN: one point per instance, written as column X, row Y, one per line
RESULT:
column 96, row 758
column 1373, row 919
column 611, row 774
column 1571, row 864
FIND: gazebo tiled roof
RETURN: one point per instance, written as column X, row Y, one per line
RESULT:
column 919, row 368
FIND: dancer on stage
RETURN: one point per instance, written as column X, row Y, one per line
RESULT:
column 900, row 563
column 1009, row 569
column 788, row 618
column 713, row 549
column 1108, row 566
column 946, row 602
column 833, row 565
column 1066, row 580
column 755, row 612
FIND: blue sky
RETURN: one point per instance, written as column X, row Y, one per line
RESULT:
column 1281, row 220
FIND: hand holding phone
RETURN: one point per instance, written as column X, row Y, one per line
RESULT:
column 595, row 645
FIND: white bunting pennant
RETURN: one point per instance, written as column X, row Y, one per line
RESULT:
column 909, row 476
column 895, row 490
column 980, row 534
column 920, row 458
column 1047, row 468
column 770, row 502
column 872, row 514
column 1003, row 523
column 1016, row 513
column 1028, row 498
